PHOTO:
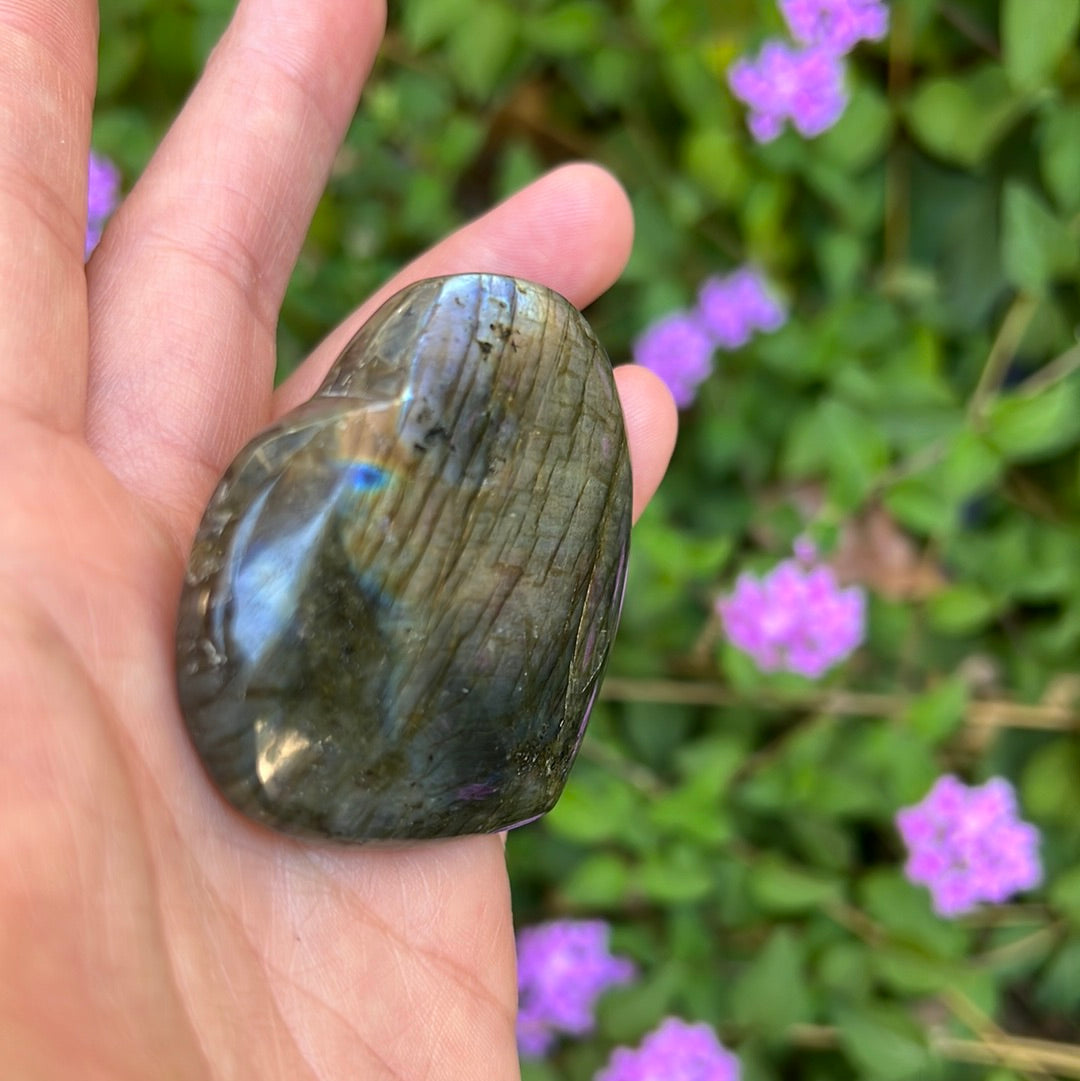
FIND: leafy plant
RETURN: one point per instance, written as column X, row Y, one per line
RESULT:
column 917, row 418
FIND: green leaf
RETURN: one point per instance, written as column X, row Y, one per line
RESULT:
column 842, row 257
column 1059, row 986
column 1026, row 427
column 785, row 888
column 594, row 807
column 692, row 811
column 538, row 1070
column 970, row 466
column 962, row 608
column 772, row 994
column 625, row 1013
column 425, row 22
column 904, row 911
column 566, row 29
column 674, row 874
column 1059, row 154
column 932, row 500
column 126, row 136
column 844, row 969
column 1065, row 894
column 961, row 119
column 712, row 761
column 938, row 713
column 919, row 504
column 119, row 56
column 909, row 971
column 1036, row 247
column 1048, row 784
column 842, row 441
column 714, row 157
column 863, row 131
column 601, row 881
column 1035, row 35
column 884, row 1043
column 695, row 809
column 480, row 46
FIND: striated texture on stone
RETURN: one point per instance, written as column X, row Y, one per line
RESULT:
column 401, row 597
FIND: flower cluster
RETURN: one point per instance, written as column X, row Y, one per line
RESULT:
column 103, row 193
column 676, row 1051
column 967, row 845
column 730, row 310
column 804, row 84
column 796, row 617
column 836, row 25
column 563, row 968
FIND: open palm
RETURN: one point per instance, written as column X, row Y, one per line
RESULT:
column 147, row 930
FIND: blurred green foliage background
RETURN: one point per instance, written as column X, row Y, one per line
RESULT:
column 919, row 416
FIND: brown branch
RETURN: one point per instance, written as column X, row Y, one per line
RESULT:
column 1013, row 328
column 1055, row 371
column 991, row 713
column 1014, row 1052
column 987, row 1030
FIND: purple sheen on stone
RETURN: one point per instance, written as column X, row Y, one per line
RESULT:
column 796, row 618
column 103, row 194
column 802, row 86
column 674, row 1051
column 838, row 25
column 679, row 351
column 564, row 966
column 968, row 846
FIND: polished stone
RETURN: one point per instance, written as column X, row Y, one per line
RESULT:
column 401, row 598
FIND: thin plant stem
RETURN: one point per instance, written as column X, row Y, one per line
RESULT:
column 1013, row 328
column 975, row 33
column 983, row 713
column 989, row 1033
column 1013, row 1052
column 1055, row 371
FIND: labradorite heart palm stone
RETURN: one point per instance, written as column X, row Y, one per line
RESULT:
column 401, row 597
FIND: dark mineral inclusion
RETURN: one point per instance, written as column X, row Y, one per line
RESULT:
column 401, row 597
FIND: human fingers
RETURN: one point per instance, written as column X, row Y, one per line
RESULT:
column 651, row 427
column 48, row 70
column 186, row 285
column 571, row 230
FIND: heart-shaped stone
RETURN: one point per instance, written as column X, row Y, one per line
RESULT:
column 401, row 598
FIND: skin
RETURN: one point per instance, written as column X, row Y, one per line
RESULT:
column 147, row 930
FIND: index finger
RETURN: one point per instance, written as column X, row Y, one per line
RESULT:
column 48, row 70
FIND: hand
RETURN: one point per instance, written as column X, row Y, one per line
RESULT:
column 147, row 930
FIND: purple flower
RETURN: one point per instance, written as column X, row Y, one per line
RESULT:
column 968, row 845
column 804, row 86
column 103, row 193
column 732, row 308
column 676, row 1051
column 838, row 25
column 795, row 618
column 678, row 350
column 563, row 968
